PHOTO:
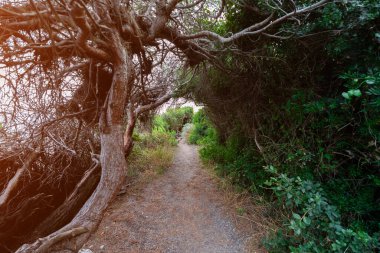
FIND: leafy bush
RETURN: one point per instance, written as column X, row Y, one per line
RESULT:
column 173, row 119
column 165, row 127
column 200, row 127
column 309, row 105
column 234, row 159
column 314, row 225
column 338, row 146
column 156, row 138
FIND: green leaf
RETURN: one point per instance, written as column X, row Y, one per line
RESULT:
column 345, row 95
column 307, row 220
column 271, row 169
column 376, row 180
column 356, row 93
column 296, row 216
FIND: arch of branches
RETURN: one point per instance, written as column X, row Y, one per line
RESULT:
column 74, row 77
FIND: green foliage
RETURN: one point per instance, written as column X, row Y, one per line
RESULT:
column 165, row 128
column 233, row 160
column 309, row 105
column 200, row 129
column 341, row 133
column 314, row 225
column 173, row 119
column 153, row 151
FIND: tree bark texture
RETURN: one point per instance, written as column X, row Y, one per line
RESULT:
column 112, row 160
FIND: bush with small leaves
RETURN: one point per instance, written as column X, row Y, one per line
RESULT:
column 313, row 224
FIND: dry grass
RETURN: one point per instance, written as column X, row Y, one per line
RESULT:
column 147, row 163
column 251, row 212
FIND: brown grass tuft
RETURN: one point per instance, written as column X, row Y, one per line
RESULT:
column 147, row 163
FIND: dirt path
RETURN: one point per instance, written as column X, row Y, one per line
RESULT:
column 181, row 211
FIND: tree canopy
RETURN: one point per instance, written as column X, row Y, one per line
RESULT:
column 76, row 75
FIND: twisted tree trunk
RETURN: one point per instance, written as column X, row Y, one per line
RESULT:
column 112, row 160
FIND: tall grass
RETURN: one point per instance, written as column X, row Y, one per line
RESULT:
column 153, row 151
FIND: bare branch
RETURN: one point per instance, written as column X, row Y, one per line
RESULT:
column 12, row 184
column 256, row 28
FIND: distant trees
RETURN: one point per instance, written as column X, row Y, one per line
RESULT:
column 74, row 73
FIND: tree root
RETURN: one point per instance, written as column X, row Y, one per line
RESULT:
column 43, row 244
column 67, row 210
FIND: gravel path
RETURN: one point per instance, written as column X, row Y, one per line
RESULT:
column 180, row 211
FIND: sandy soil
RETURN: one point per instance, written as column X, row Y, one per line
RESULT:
column 180, row 211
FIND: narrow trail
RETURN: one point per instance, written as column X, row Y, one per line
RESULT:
column 180, row 211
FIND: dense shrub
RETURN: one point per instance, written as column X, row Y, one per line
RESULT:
column 314, row 225
column 173, row 119
column 200, row 128
column 309, row 106
column 323, row 215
